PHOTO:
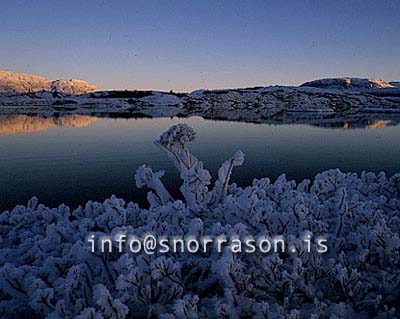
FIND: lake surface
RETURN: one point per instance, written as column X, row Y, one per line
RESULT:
column 75, row 159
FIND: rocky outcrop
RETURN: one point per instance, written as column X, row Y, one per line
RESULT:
column 14, row 82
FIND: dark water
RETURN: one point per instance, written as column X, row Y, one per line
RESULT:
column 71, row 160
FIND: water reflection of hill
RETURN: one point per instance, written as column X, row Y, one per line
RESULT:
column 13, row 124
column 372, row 124
column 366, row 122
column 362, row 123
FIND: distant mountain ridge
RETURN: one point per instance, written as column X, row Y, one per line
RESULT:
column 14, row 82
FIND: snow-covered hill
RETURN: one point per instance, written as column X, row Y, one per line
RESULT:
column 21, row 82
column 15, row 82
column 354, row 84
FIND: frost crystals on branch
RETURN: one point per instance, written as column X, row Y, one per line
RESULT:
column 195, row 178
column 145, row 177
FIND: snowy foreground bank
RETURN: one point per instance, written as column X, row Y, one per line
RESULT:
column 48, row 271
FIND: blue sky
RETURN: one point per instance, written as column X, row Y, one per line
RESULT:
column 184, row 45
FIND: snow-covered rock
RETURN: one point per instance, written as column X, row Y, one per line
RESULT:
column 27, row 83
column 354, row 84
column 72, row 87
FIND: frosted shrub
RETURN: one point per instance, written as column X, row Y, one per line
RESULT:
column 48, row 271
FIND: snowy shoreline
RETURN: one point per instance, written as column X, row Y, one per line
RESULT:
column 259, row 105
column 320, row 101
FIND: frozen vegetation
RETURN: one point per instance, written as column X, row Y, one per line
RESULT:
column 47, row 270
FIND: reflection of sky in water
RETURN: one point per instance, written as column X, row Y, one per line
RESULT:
column 72, row 165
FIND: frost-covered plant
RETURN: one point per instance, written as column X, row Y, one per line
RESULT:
column 48, row 271
column 195, row 178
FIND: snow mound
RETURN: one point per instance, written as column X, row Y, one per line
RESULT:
column 48, row 271
column 348, row 84
column 14, row 82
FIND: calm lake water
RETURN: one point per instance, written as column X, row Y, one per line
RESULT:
column 71, row 160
